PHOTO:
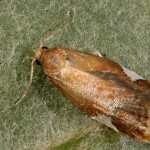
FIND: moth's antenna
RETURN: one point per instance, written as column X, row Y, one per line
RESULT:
column 57, row 30
column 37, row 53
column 27, row 88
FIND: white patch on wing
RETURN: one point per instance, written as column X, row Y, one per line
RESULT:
column 134, row 76
column 105, row 120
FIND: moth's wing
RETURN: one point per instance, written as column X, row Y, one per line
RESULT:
column 128, row 117
column 145, row 84
column 137, row 114
column 88, row 107
column 136, row 79
column 114, row 67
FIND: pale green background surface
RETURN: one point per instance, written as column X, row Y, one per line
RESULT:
column 120, row 29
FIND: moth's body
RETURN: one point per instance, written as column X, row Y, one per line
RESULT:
column 102, row 89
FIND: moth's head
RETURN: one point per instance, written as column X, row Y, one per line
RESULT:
column 55, row 58
column 39, row 53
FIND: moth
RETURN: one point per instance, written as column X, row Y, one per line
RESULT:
column 101, row 88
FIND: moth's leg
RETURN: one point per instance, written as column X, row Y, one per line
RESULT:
column 98, row 53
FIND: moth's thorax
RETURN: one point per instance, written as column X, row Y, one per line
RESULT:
column 52, row 59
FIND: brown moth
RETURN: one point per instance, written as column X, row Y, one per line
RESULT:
column 101, row 88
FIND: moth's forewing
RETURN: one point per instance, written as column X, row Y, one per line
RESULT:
column 101, row 89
